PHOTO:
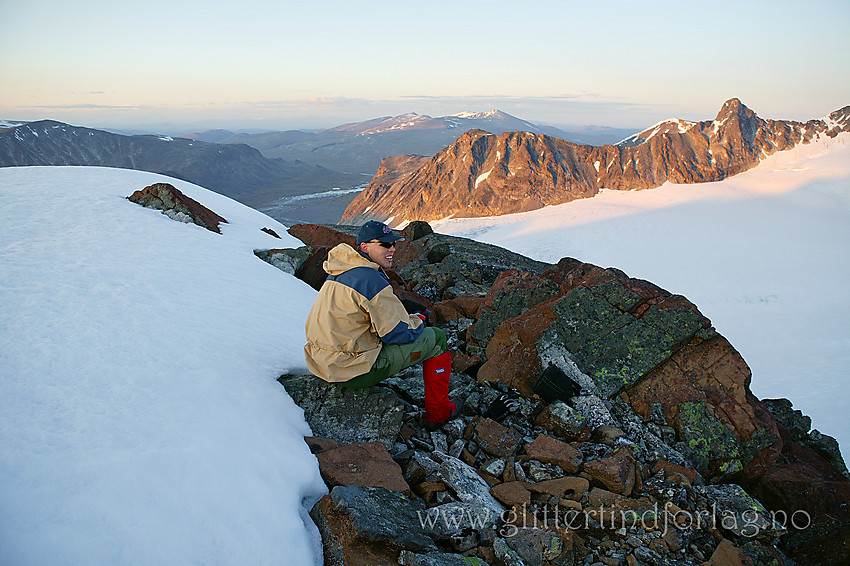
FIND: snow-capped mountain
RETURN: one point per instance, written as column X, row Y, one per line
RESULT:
column 494, row 121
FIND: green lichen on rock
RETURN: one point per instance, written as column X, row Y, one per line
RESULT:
column 678, row 324
column 611, row 346
column 620, row 358
column 708, row 443
column 511, row 303
column 618, row 295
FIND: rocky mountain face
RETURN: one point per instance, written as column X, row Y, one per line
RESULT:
column 606, row 422
column 359, row 147
column 237, row 171
column 483, row 174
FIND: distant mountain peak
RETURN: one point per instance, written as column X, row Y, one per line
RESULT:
column 495, row 113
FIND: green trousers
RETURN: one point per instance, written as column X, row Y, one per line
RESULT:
column 395, row 357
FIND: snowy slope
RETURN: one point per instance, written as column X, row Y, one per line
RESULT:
column 140, row 419
column 764, row 254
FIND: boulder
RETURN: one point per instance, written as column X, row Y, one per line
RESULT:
column 496, row 439
column 366, row 464
column 346, row 415
column 741, row 514
column 369, row 526
column 564, row 421
column 617, row 473
column 552, row 451
column 323, row 236
column 176, row 205
column 536, row 547
column 512, row 493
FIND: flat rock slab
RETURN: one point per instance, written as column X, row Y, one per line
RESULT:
column 361, row 464
column 346, row 415
column 552, row 451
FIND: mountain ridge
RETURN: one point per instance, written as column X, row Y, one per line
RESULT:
column 358, row 147
column 237, row 171
column 483, row 174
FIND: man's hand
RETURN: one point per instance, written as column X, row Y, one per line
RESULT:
column 424, row 316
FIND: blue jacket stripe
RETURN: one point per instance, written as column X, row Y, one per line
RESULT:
column 402, row 334
column 365, row 280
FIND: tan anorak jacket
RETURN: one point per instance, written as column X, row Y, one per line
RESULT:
column 354, row 314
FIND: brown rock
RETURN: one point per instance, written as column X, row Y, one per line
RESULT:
column 615, row 510
column 497, row 440
column 317, row 235
column 727, row 555
column 570, row 487
column 616, row 474
column 552, row 451
column 673, row 470
column 166, row 197
column 511, row 356
column 368, row 465
column 464, row 306
column 512, row 493
column 713, row 373
column 559, row 419
column 319, row 444
column 803, row 481
column 421, row 489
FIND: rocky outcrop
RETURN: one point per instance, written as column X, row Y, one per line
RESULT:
column 176, row 205
column 593, row 397
column 482, row 174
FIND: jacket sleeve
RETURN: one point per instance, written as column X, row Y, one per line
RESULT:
column 390, row 319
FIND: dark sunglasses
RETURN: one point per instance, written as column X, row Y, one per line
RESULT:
column 387, row 245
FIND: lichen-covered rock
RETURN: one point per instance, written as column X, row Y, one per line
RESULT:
column 346, row 415
column 536, row 546
column 408, row 558
column 648, row 399
column 564, row 421
column 740, row 513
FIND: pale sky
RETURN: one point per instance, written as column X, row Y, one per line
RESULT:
column 281, row 64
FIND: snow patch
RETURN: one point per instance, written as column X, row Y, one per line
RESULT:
column 482, row 177
column 142, row 422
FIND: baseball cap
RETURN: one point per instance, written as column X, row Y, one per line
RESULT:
column 374, row 230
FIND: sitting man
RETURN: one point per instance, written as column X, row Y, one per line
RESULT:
column 359, row 332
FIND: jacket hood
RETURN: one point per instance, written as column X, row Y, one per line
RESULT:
column 343, row 257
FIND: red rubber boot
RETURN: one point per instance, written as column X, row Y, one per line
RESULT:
column 438, row 407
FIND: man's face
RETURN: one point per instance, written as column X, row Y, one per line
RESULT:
column 379, row 253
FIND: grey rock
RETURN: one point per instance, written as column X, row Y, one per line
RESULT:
column 535, row 546
column 740, row 513
column 375, row 515
column 346, row 415
column 467, row 484
column 505, row 554
column 451, row 519
column 594, row 409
